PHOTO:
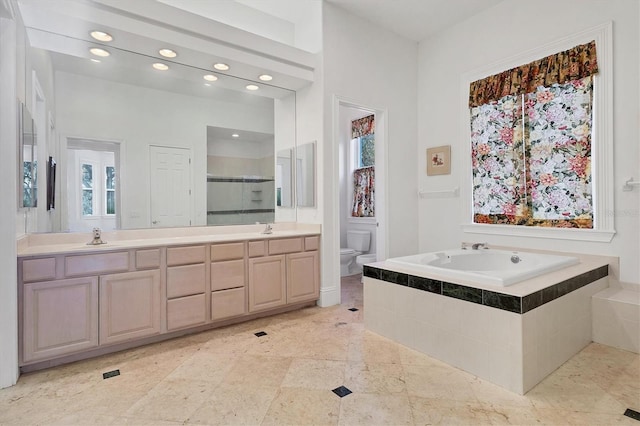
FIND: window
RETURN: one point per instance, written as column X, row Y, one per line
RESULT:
column 87, row 190
column 110, row 190
column 363, row 164
column 531, row 148
column 602, row 182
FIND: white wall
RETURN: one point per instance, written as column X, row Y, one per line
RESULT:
column 139, row 117
column 375, row 68
column 495, row 35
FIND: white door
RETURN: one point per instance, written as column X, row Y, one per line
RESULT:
column 170, row 186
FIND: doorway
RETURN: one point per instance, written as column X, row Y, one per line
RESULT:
column 93, row 185
column 345, row 160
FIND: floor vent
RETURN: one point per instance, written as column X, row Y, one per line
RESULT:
column 110, row 374
column 341, row 391
column 632, row 413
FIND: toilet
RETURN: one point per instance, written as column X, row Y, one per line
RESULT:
column 363, row 259
column 357, row 243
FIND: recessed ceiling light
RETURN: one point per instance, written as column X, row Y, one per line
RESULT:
column 210, row 77
column 167, row 53
column 221, row 67
column 99, row 52
column 252, row 87
column 101, row 36
column 95, row 60
column 235, row 135
column 160, row 66
column 265, row 77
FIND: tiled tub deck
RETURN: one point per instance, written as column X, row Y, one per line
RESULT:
column 511, row 336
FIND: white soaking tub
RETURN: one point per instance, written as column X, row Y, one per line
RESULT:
column 486, row 266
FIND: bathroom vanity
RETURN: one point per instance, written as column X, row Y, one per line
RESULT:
column 78, row 301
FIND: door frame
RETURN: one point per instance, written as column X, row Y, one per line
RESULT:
column 333, row 225
column 91, row 144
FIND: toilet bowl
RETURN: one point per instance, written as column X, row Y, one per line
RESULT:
column 357, row 243
column 363, row 259
column 347, row 256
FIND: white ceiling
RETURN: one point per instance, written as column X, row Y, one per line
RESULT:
column 415, row 19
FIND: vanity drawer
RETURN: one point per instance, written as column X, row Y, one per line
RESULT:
column 185, row 255
column 227, row 274
column 147, row 259
column 227, row 251
column 257, row 248
column 228, row 303
column 186, row 311
column 185, row 280
column 285, row 245
column 90, row 264
column 39, row 269
column 311, row 243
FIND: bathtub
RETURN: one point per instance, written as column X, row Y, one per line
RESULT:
column 486, row 266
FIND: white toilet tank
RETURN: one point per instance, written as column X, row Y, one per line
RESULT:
column 358, row 240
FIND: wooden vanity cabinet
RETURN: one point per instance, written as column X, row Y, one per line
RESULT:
column 186, row 287
column 288, row 274
column 90, row 301
column 228, row 280
column 129, row 306
column 59, row 317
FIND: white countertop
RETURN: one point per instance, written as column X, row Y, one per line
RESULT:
column 62, row 243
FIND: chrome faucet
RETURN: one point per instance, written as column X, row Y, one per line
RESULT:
column 97, row 238
column 268, row 229
column 476, row 246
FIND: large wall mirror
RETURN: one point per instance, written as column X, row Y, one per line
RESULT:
column 139, row 146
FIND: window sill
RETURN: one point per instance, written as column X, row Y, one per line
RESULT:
column 602, row 236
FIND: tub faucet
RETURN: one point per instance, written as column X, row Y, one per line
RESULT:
column 476, row 246
column 97, row 238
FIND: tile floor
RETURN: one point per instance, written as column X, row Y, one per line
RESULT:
column 230, row 376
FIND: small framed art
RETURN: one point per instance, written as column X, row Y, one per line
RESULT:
column 439, row 160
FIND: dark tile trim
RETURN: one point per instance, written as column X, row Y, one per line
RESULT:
column 492, row 299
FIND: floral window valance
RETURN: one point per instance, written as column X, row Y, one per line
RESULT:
column 363, row 126
column 570, row 65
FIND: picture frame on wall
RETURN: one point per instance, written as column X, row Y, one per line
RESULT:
column 439, row 160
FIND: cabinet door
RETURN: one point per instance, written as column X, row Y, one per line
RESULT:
column 303, row 277
column 59, row 317
column 267, row 282
column 129, row 306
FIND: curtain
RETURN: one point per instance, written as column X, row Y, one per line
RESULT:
column 569, row 65
column 363, row 126
column 363, row 192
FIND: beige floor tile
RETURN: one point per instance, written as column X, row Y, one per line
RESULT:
column 372, row 348
column 235, row 405
column 315, row 374
column 257, row 370
column 375, row 378
column 439, row 382
column 373, row 409
column 206, row 366
column 297, row 406
column 172, row 399
column 430, row 411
